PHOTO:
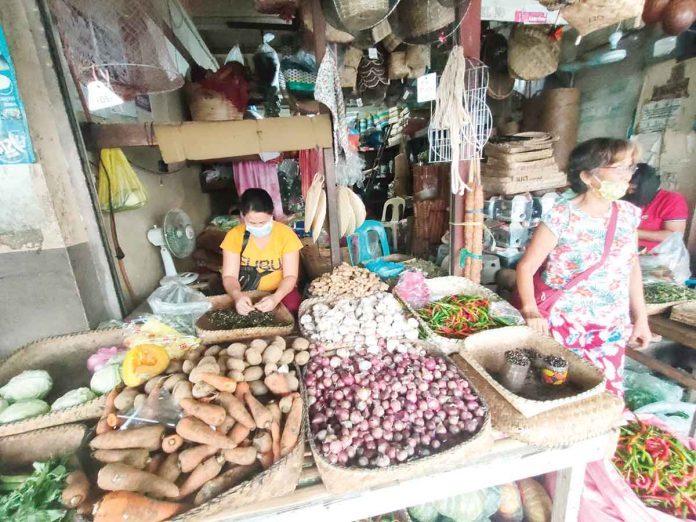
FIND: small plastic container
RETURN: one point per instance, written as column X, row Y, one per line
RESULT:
column 515, row 370
column 554, row 371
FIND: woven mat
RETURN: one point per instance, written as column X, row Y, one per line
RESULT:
column 556, row 428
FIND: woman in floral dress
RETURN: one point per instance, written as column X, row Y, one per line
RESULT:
column 579, row 279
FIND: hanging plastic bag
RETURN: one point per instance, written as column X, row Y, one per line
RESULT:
column 668, row 261
column 677, row 415
column 179, row 302
column 235, row 55
column 119, row 187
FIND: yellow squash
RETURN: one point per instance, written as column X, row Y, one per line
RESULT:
column 142, row 363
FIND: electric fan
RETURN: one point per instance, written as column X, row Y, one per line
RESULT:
column 176, row 238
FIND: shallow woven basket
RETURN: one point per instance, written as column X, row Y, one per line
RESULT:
column 684, row 313
column 357, row 15
column 206, row 105
column 65, row 359
column 281, row 315
column 340, row 479
column 332, row 34
column 451, row 285
column 415, row 19
column 278, row 480
column 658, row 308
column 559, row 427
column 532, row 53
column 486, row 352
column 19, row 452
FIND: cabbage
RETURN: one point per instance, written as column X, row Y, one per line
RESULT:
column 3, row 404
column 73, row 398
column 424, row 512
column 106, row 379
column 31, row 384
column 23, row 409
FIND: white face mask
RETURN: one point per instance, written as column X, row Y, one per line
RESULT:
column 260, row 231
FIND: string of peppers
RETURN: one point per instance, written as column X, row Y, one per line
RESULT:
column 659, row 468
column 458, row 316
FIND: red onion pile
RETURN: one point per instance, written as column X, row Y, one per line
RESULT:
column 379, row 409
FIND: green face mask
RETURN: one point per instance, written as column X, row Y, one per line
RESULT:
column 612, row 190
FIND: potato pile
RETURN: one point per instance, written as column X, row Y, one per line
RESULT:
column 227, row 431
column 347, row 281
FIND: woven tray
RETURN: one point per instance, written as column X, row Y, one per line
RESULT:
column 485, row 352
column 281, row 315
column 444, row 286
column 684, row 313
column 339, row 479
column 278, row 480
column 505, row 186
column 560, row 427
column 19, row 452
column 65, row 359
column 658, row 308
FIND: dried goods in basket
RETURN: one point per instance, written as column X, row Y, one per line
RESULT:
column 485, row 353
column 279, row 322
column 393, row 413
column 64, row 358
column 661, row 296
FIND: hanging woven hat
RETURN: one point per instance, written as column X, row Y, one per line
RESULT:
column 494, row 53
column 533, row 53
column 357, row 15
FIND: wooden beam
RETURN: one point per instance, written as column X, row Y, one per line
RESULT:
column 673, row 330
column 676, row 375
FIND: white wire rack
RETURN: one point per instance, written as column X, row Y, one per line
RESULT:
column 474, row 134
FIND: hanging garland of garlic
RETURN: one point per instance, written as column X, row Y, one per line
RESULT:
column 359, row 321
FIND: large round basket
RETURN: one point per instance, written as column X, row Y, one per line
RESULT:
column 281, row 317
column 342, row 479
column 533, row 53
column 18, row 452
column 65, row 360
column 420, row 21
column 485, row 353
column 357, row 15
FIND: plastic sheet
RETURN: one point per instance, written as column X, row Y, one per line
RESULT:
column 643, row 389
column 668, row 261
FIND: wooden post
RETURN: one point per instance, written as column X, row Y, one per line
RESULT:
column 470, row 38
column 319, row 24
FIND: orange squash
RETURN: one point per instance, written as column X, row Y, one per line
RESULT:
column 143, row 362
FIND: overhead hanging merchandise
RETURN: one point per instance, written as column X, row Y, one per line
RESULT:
column 357, row 15
column 534, row 52
column 120, row 40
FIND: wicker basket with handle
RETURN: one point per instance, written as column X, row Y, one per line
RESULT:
column 281, row 316
column 65, row 359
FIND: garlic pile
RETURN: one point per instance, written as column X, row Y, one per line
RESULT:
column 359, row 321
column 347, row 281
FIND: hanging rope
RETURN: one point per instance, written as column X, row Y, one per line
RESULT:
column 452, row 113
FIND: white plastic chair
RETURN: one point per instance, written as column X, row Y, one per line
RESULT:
column 397, row 206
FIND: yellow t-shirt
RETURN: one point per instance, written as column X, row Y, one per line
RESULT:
column 270, row 258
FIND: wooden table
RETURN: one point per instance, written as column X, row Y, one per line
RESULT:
column 507, row 461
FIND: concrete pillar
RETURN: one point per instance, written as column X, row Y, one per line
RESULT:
column 55, row 276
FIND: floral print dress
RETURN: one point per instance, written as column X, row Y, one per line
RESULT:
column 592, row 318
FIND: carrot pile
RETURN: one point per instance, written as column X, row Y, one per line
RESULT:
column 659, row 468
column 228, row 432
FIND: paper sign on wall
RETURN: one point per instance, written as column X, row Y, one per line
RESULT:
column 426, row 86
column 15, row 142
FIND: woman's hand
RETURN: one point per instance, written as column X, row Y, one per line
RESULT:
column 267, row 304
column 536, row 321
column 641, row 336
column 243, row 305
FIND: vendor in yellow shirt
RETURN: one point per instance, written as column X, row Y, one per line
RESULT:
column 261, row 254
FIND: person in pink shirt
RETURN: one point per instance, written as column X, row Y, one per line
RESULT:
column 663, row 212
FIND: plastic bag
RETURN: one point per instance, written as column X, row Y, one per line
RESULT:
column 668, row 261
column 643, row 389
column 677, row 415
column 476, row 506
column 181, row 301
column 119, row 187
column 151, row 329
column 412, row 289
column 157, row 409
column 506, row 313
column 235, row 55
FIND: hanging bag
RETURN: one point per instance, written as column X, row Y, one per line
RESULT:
column 249, row 276
column 119, row 187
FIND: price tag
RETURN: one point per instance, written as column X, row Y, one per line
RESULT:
column 100, row 96
column 372, row 53
column 426, row 87
column 359, row 102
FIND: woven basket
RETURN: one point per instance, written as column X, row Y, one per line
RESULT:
column 206, row 105
column 332, row 34
column 659, row 308
column 357, row 15
column 316, row 261
column 559, row 427
column 278, row 480
column 452, row 285
column 486, row 352
column 508, row 186
column 684, row 313
column 591, row 15
column 339, row 479
column 398, row 69
column 65, row 359
column 281, row 315
column 19, row 452
column 416, row 19
column 533, row 54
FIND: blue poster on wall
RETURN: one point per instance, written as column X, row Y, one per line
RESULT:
column 15, row 142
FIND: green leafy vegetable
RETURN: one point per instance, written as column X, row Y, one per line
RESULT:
column 37, row 499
